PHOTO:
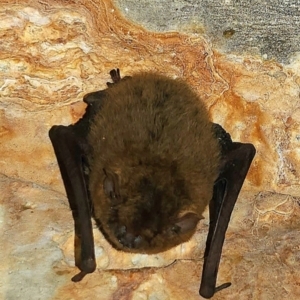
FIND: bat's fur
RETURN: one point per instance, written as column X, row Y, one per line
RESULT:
column 154, row 161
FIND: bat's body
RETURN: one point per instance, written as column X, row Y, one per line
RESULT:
column 153, row 141
column 146, row 161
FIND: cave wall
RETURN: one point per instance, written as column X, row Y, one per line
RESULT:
column 54, row 52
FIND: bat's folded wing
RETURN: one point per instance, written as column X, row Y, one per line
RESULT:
column 234, row 168
column 70, row 155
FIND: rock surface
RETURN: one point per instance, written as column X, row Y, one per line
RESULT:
column 53, row 54
column 266, row 28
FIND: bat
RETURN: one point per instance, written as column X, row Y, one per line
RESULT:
column 145, row 161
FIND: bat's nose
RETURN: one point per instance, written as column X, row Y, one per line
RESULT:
column 129, row 240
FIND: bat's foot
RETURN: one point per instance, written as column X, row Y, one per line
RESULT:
column 115, row 75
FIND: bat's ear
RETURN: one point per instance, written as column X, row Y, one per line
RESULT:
column 187, row 222
column 111, row 187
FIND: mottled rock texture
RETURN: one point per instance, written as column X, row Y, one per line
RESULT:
column 54, row 52
column 267, row 28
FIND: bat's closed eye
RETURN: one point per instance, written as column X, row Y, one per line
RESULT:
column 112, row 195
column 108, row 186
column 176, row 229
column 111, row 188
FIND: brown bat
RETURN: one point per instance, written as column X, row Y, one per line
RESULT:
column 144, row 161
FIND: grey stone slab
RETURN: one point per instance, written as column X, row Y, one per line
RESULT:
column 268, row 28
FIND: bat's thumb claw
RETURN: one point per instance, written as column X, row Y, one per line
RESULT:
column 78, row 277
column 207, row 291
column 222, row 286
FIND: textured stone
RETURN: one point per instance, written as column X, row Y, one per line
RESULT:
column 265, row 28
column 51, row 55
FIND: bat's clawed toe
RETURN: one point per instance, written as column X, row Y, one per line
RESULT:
column 115, row 75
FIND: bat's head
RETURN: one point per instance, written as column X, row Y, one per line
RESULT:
column 146, row 212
